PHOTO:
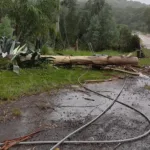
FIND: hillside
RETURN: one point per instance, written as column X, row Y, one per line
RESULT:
column 125, row 3
column 122, row 3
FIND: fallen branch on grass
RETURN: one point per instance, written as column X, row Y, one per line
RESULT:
column 124, row 71
column 96, row 81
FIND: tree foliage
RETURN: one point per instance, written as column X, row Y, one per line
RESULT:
column 147, row 18
column 33, row 18
column 63, row 24
column 130, row 13
column 5, row 27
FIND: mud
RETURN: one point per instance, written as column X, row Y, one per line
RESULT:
column 63, row 111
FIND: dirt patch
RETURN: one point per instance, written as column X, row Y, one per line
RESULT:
column 66, row 110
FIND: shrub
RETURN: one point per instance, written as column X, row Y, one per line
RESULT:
column 5, row 27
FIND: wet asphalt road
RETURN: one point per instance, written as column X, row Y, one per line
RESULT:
column 145, row 39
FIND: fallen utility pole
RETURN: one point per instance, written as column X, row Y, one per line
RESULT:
column 92, row 60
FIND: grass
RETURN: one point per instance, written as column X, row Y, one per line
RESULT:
column 88, row 53
column 37, row 80
column 145, row 61
column 32, row 81
column 16, row 112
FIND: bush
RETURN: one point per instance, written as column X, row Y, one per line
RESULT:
column 5, row 27
column 135, row 42
column 127, row 42
column 46, row 50
column 5, row 63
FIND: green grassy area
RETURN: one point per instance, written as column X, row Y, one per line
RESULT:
column 145, row 61
column 88, row 53
column 31, row 81
column 37, row 80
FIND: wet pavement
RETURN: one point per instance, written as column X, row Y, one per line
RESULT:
column 63, row 111
column 145, row 39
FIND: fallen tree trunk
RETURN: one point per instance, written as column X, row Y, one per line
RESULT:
column 93, row 60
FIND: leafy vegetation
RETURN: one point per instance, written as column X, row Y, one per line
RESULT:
column 5, row 27
column 145, row 61
column 147, row 18
column 130, row 13
column 88, row 53
column 31, row 81
column 94, row 24
column 65, row 24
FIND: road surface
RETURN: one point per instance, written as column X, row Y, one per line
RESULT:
column 145, row 39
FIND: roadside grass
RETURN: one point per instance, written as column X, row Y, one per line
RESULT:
column 146, row 52
column 33, row 81
column 145, row 61
column 88, row 53
column 38, row 80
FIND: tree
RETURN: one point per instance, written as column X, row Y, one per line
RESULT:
column 69, row 22
column 5, row 27
column 147, row 18
column 124, row 37
column 5, row 6
column 135, row 42
column 127, row 41
column 33, row 18
column 129, row 13
column 102, row 29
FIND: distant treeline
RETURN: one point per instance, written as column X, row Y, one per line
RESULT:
column 98, row 23
column 132, row 13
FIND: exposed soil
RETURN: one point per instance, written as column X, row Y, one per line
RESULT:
column 63, row 111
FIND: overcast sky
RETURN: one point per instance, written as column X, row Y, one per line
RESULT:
column 143, row 1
